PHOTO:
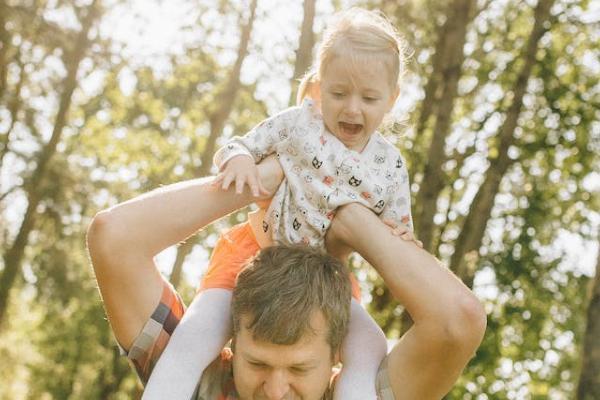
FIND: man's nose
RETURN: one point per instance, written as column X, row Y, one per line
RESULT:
column 276, row 386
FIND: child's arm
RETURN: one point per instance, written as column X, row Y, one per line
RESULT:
column 236, row 160
column 241, row 170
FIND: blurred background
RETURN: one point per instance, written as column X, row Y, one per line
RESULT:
column 498, row 118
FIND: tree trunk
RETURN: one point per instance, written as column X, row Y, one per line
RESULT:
column 111, row 379
column 226, row 98
column 13, row 108
column 217, row 121
column 464, row 259
column 453, row 37
column 183, row 250
column 4, row 44
column 589, row 380
column 305, row 46
column 14, row 255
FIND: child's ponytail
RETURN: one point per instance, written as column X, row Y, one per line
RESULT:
column 304, row 88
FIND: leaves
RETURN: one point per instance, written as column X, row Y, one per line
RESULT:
column 134, row 126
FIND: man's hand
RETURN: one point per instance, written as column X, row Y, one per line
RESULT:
column 241, row 170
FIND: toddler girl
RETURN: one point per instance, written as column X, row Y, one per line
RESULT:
column 331, row 155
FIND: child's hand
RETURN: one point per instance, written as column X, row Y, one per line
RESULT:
column 403, row 231
column 242, row 170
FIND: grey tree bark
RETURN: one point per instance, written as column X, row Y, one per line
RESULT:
column 447, row 71
column 4, row 45
column 14, row 105
column 217, row 121
column 13, row 257
column 305, row 46
column 588, row 387
column 464, row 258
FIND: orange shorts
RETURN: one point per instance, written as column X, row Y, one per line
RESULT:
column 233, row 249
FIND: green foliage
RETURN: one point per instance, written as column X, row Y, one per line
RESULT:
column 133, row 127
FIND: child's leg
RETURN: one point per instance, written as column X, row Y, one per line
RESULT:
column 198, row 339
column 363, row 349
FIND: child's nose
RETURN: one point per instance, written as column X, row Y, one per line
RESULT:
column 352, row 106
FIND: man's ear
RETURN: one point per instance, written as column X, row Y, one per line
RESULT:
column 337, row 358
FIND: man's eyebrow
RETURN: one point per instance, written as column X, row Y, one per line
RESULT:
column 305, row 363
column 309, row 363
column 251, row 358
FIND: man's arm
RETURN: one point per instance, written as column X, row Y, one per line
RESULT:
column 124, row 239
column 449, row 321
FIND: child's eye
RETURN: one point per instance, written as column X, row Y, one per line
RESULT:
column 338, row 94
column 370, row 99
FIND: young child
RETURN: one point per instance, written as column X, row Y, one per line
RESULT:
column 331, row 155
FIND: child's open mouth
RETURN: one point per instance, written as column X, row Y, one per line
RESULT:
column 350, row 129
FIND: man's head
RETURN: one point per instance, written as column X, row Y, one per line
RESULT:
column 291, row 308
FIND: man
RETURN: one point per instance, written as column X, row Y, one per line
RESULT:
column 449, row 322
column 276, row 356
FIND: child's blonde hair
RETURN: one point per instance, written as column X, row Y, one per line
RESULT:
column 358, row 34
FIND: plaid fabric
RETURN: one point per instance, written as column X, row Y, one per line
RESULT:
column 149, row 345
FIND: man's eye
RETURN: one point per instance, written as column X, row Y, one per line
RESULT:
column 257, row 365
column 299, row 371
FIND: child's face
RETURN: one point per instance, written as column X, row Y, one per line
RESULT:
column 354, row 99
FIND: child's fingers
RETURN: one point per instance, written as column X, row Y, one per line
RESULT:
column 240, row 181
column 390, row 223
column 227, row 179
column 253, row 184
column 407, row 236
column 218, row 179
column 400, row 231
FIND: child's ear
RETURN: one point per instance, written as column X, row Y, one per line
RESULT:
column 393, row 98
column 315, row 91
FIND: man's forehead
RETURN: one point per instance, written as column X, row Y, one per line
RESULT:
column 314, row 337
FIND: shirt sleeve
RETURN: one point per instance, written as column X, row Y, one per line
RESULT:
column 398, row 205
column 261, row 140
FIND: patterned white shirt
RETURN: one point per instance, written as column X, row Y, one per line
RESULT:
column 322, row 174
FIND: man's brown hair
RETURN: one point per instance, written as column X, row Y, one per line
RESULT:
column 281, row 288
